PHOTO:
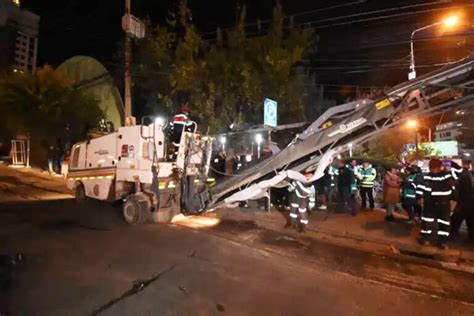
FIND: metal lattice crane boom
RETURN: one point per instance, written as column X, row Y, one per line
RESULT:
column 356, row 123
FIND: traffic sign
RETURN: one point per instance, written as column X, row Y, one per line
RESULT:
column 270, row 112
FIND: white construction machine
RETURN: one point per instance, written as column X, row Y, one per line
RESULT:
column 132, row 165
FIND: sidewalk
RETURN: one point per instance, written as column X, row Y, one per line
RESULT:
column 30, row 184
column 368, row 231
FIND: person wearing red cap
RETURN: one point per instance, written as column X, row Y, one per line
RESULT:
column 438, row 196
column 180, row 123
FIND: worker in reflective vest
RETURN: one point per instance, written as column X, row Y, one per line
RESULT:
column 409, row 194
column 354, row 167
column 367, row 177
column 302, row 199
column 439, row 196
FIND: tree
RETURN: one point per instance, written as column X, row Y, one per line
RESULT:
column 226, row 81
column 41, row 105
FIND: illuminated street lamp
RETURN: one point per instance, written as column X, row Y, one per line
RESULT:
column 350, row 149
column 160, row 121
column 258, row 140
column 223, row 140
column 449, row 22
column 413, row 124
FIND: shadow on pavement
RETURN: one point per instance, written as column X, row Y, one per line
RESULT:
column 59, row 215
column 399, row 228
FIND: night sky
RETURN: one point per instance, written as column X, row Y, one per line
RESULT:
column 353, row 45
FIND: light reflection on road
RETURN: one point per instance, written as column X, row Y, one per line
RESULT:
column 194, row 221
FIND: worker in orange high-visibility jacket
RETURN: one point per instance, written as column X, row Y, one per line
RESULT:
column 438, row 195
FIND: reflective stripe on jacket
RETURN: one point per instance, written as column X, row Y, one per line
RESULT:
column 437, row 188
column 303, row 191
column 409, row 187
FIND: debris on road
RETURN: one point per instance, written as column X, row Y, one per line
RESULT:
column 220, row 307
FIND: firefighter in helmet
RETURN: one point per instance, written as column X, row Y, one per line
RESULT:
column 438, row 195
column 181, row 123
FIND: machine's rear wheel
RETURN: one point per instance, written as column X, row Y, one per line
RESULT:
column 133, row 211
column 80, row 193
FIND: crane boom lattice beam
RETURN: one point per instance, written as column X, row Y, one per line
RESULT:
column 356, row 123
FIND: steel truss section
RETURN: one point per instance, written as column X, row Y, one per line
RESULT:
column 356, row 123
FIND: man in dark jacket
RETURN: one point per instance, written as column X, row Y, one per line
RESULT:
column 322, row 187
column 464, row 209
column 344, row 183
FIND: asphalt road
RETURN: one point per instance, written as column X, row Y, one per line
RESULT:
column 83, row 260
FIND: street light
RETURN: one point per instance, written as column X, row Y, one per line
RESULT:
column 413, row 124
column 449, row 22
column 223, row 140
column 258, row 140
column 160, row 121
column 350, row 149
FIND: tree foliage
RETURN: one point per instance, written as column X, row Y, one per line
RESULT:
column 41, row 105
column 226, row 80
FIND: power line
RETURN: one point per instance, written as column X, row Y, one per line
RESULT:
column 357, row 60
column 422, row 39
column 378, row 66
column 302, row 13
column 378, row 69
column 382, row 11
column 391, row 16
column 404, row 14
column 359, row 14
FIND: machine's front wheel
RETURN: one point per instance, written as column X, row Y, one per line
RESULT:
column 133, row 212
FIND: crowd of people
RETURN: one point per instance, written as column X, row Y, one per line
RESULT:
column 438, row 201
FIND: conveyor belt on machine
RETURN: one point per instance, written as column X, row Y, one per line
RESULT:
column 357, row 122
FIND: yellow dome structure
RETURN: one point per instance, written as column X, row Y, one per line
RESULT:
column 90, row 75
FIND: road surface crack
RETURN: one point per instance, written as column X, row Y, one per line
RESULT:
column 138, row 286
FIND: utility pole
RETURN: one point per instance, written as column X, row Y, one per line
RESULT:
column 127, row 77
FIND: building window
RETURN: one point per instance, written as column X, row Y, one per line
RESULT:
column 448, row 134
